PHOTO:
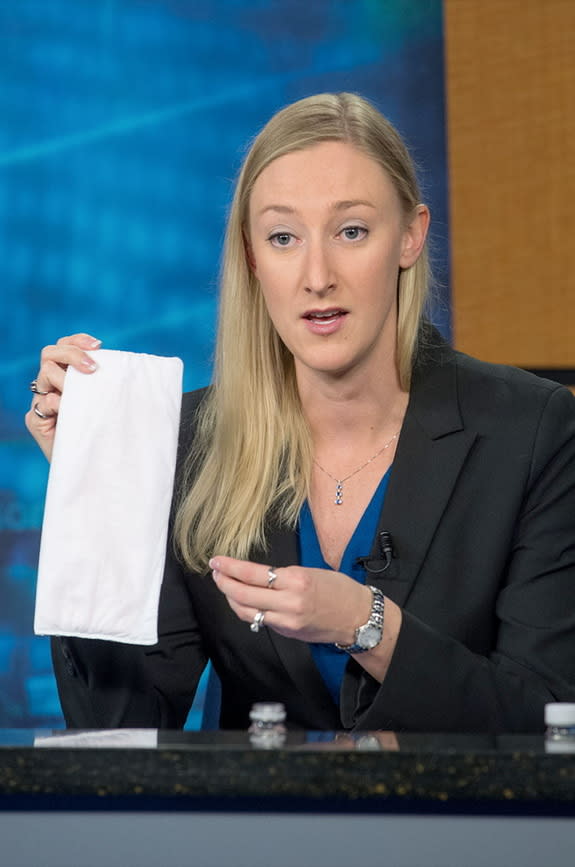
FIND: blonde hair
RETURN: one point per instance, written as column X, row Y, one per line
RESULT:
column 251, row 458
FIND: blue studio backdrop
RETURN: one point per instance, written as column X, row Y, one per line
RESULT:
column 123, row 125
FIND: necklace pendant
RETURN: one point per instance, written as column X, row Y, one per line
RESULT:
column 339, row 482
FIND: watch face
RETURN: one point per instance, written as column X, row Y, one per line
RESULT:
column 369, row 636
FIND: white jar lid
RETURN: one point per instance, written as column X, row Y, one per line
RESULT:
column 269, row 712
column 560, row 714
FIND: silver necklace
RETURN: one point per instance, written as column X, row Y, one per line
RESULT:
column 339, row 482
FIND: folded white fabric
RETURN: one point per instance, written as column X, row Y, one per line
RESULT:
column 122, row 738
column 108, row 499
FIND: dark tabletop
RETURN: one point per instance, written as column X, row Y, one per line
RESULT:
column 302, row 770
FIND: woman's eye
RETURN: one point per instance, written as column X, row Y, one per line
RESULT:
column 354, row 233
column 281, row 239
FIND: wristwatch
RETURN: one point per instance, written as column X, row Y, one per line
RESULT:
column 370, row 634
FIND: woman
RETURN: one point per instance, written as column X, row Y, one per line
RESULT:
column 370, row 527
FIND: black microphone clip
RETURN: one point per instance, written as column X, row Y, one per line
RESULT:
column 375, row 566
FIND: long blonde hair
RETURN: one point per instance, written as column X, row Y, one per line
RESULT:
column 251, row 458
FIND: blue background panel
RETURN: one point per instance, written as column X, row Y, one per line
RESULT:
column 123, row 126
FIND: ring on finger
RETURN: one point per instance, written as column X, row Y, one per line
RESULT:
column 39, row 412
column 35, row 389
column 257, row 622
column 272, row 576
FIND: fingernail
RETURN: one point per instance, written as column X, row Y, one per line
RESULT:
column 89, row 363
column 95, row 343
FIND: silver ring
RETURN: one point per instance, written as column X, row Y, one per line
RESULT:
column 272, row 576
column 257, row 622
column 35, row 389
column 39, row 412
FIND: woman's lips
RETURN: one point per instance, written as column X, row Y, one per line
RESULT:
column 325, row 321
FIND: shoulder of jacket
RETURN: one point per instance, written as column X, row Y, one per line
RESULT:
column 504, row 378
column 488, row 395
column 499, row 397
column 191, row 402
column 435, row 351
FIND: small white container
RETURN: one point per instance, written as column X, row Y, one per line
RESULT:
column 265, row 714
column 560, row 726
column 267, row 729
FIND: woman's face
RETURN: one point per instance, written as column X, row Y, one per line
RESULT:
column 327, row 238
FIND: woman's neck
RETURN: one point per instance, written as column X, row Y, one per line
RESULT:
column 353, row 410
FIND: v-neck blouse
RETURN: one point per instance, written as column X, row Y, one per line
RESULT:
column 330, row 661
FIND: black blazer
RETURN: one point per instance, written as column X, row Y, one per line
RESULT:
column 481, row 512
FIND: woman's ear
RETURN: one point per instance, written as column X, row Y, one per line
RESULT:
column 414, row 236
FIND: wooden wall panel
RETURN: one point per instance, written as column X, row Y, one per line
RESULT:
column 511, row 131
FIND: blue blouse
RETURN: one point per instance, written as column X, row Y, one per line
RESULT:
column 330, row 661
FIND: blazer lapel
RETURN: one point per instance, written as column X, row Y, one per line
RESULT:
column 430, row 455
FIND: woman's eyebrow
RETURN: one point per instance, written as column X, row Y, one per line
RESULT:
column 351, row 203
column 281, row 209
column 343, row 205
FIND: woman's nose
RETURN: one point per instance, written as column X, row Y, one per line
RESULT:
column 318, row 270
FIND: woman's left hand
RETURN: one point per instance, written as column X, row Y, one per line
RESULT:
column 315, row 605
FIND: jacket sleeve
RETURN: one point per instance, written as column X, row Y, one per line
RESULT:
column 435, row 682
column 105, row 684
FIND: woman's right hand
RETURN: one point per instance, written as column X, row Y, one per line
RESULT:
column 54, row 360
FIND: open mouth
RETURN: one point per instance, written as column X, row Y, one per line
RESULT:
column 324, row 317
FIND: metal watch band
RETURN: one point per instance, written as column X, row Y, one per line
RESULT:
column 375, row 621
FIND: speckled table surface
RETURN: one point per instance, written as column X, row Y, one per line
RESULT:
column 380, row 770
